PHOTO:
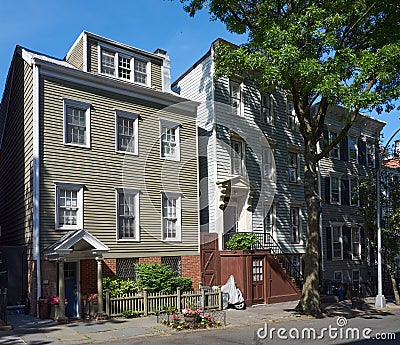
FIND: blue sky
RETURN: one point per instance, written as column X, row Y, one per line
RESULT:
column 51, row 27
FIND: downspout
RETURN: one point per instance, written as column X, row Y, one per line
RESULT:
column 36, row 180
column 320, row 216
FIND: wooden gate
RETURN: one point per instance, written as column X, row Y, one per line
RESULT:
column 209, row 259
column 258, row 280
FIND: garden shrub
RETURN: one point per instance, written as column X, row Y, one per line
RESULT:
column 242, row 241
column 119, row 286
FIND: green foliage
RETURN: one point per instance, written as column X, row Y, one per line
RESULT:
column 130, row 314
column 160, row 278
column 118, row 286
column 242, row 241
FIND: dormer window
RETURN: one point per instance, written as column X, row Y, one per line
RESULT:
column 124, row 66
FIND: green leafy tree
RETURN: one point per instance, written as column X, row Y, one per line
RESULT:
column 390, row 220
column 326, row 52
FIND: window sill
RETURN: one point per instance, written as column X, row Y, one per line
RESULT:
column 124, row 80
column 127, row 153
column 77, row 145
column 171, row 240
column 68, row 228
column 128, row 240
column 174, row 159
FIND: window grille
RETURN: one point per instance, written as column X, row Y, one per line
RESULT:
column 126, row 268
column 175, row 262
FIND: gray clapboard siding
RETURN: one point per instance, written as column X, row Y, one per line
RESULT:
column 16, row 163
column 75, row 58
column 100, row 169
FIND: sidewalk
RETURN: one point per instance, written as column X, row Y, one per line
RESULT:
column 30, row 330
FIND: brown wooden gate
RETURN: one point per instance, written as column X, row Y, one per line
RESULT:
column 209, row 259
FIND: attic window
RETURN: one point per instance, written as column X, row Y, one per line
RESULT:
column 124, row 66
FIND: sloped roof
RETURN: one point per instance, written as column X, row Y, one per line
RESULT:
column 393, row 163
column 79, row 240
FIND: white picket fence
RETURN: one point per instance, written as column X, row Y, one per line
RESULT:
column 150, row 303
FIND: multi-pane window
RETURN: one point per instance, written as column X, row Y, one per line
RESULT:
column 168, row 142
column 267, row 115
column 295, row 224
column 268, row 163
column 140, row 72
column 370, row 154
column 257, row 270
column 353, row 149
column 356, row 243
column 337, row 242
column 124, row 66
column 293, row 167
column 127, row 208
column 334, row 153
column 76, row 123
column 127, row 132
column 175, row 262
column 236, row 157
column 335, row 190
column 126, row 268
column 235, row 96
column 353, row 192
column 338, row 276
column 268, row 219
column 291, row 113
column 107, row 62
column 171, row 217
column 69, row 206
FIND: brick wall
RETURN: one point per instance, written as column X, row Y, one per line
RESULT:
column 49, row 273
column 109, row 267
column 191, row 269
column 88, row 276
column 150, row 260
column 32, row 287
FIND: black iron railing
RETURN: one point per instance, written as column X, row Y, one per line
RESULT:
column 267, row 242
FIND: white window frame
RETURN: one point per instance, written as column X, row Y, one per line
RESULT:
column 353, row 193
column 268, row 163
column 131, row 57
column 341, row 276
column 80, row 202
column 266, row 111
column 355, row 160
column 339, row 190
column 270, row 215
column 166, row 124
column 370, row 147
column 131, row 117
column 297, row 209
column 136, row 195
column 292, row 121
column 235, row 156
column 353, row 228
column 84, row 106
column 239, row 109
column 340, row 241
column 178, row 229
column 335, row 152
column 293, row 168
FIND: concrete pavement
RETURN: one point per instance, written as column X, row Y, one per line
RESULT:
column 33, row 331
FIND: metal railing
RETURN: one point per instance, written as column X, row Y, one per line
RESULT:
column 267, row 242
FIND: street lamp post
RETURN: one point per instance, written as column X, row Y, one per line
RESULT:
column 380, row 298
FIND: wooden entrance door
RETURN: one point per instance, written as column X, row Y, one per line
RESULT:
column 209, row 259
column 258, row 280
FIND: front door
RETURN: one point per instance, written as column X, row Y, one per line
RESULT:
column 71, row 291
column 258, row 280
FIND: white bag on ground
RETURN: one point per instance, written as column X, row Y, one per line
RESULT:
column 235, row 295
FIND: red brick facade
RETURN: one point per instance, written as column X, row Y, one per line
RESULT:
column 191, row 268
column 150, row 260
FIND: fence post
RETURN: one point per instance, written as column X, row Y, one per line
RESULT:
column 219, row 298
column 178, row 299
column 145, row 304
column 108, row 302
column 200, row 285
column 203, row 298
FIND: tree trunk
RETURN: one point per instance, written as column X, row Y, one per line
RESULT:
column 310, row 300
column 394, row 285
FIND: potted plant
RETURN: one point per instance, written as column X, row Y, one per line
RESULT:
column 91, row 303
column 192, row 315
column 54, row 302
column 357, row 302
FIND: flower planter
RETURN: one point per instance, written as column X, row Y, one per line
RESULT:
column 194, row 318
column 54, row 311
column 355, row 304
column 94, row 308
